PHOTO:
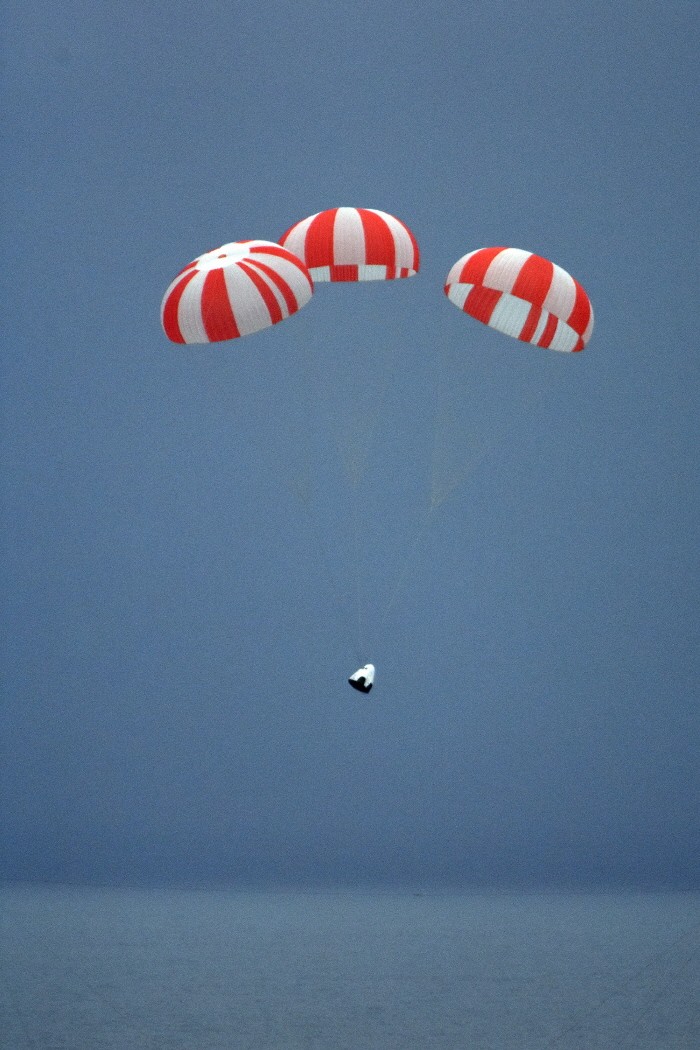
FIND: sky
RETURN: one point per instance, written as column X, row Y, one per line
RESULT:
column 200, row 544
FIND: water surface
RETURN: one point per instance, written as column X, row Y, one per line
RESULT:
column 106, row 969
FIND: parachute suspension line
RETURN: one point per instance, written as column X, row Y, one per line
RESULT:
column 456, row 451
column 358, row 574
column 301, row 482
column 354, row 432
column 437, row 498
column 468, row 434
column 356, row 440
column 339, row 593
column 421, row 529
column 357, row 469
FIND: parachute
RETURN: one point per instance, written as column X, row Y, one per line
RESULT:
column 523, row 296
column 245, row 286
column 354, row 244
column 234, row 290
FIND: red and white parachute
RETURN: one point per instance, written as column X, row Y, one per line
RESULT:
column 234, row 290
column 354, row 244
column 522, row 295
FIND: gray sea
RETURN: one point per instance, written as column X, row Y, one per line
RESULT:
column 122, row 969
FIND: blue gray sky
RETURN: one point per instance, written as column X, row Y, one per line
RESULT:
column 201, row 544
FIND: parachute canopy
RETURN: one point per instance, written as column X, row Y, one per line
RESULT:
column 354, row 244
column 522, row 295
column 234, row 290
